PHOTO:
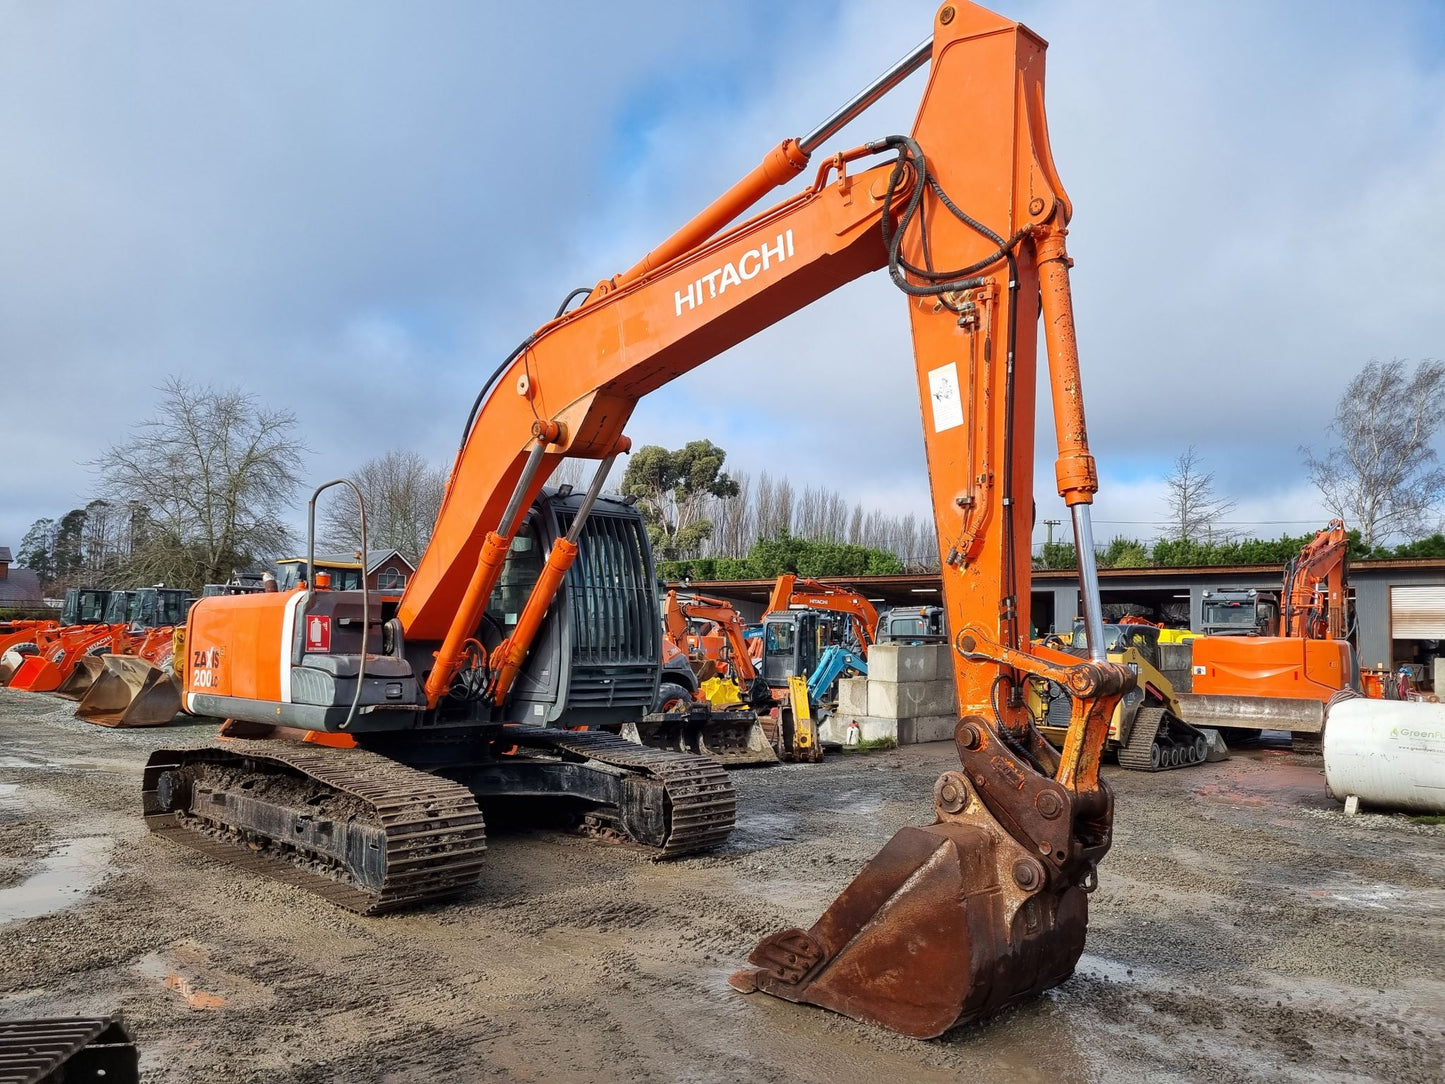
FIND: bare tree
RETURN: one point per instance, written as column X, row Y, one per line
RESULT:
column 1382, row 475
column 403, row 494
column 214, row 471
column 734, row 521
column 1192, row 504
column 775, row 506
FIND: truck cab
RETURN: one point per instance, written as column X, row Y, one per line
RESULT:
column 913, row 625
column 1239, row 611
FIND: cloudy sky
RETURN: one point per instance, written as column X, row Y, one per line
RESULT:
column 358, row 208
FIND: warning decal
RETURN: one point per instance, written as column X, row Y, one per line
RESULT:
column 947, row 398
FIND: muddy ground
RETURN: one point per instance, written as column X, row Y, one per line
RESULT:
column 1244, row 929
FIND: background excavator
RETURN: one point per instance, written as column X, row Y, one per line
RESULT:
column 1147, row 732
column 950, row 921
column 718, row 704
column 814, row 633
column 1282, row 681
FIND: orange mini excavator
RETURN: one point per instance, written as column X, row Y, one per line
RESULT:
column 437, row 696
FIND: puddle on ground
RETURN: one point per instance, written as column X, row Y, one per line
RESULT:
column 65, row 876
column 758, row 830
column 28, row 762
column 1123, row 974
column 89, row 764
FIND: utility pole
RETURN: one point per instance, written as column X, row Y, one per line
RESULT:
column 1051, row 524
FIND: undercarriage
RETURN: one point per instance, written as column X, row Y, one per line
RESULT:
column 372, row 834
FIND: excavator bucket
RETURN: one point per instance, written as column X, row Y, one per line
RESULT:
column 78, row 682
column 947, row 923
column 37, row 674
column 734, row 739
column 130, row 692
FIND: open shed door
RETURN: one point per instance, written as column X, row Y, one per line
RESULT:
column 1417, row 613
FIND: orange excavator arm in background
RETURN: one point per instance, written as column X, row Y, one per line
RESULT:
column 680, row 609
column 790, row 591
column 987, row 905
column 1313, row 603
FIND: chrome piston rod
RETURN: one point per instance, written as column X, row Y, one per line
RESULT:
column 1089, row 582
column 867, row 96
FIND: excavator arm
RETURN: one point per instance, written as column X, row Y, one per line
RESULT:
column 790, row 591
column 679, row 609
column 987, row 905
column 1312, row 605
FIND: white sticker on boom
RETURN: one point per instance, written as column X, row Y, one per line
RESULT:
column 947, row 400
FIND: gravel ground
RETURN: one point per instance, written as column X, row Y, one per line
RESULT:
column 1244, row 929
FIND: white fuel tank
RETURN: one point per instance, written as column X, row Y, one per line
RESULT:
column 1391, row 753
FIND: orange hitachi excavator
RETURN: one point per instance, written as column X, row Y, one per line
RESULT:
column 1284, row 681
column 950, row 921
column 791, row 593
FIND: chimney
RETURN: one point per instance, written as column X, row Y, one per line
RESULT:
column 4, row 562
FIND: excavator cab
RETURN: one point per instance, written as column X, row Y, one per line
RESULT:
column 792, row 643
column 85, row 606
column 913, row 625
column 157, row 607
column 1238, row 611
column 117, row 608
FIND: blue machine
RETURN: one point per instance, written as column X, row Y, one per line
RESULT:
column 833, row 664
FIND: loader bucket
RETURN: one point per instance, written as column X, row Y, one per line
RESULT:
column 1253, row 712
column 734, row 739
column 12, row 658
column 130, row 692
column 78, row 682
column 935, row 931
column 36, row 674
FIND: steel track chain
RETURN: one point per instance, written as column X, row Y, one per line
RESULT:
column 702, row 802
column 432, row 828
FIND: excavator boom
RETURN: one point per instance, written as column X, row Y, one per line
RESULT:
column 969, row 217
column 1313, row 603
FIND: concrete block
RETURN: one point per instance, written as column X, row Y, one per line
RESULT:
column 928, row 728
column 908, row 662
column 853, row 696
column 868, row 728
column 909, row 699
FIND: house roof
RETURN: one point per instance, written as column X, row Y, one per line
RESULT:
column 21, row 585
column 351, row 559
column 5, row 557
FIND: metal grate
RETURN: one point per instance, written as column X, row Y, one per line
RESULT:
column 611, row 686
column 614, row 604
column 67, row 1049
